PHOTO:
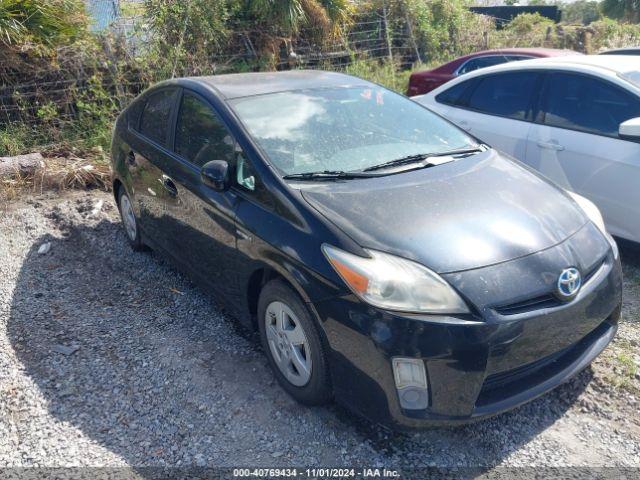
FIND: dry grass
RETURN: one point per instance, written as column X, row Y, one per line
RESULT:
column 58, row 173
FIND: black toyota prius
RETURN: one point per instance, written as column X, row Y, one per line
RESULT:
column 388, row 259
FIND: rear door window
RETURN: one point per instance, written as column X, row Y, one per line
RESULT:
column 156, row 115
column 580, row 102
column 504, row 94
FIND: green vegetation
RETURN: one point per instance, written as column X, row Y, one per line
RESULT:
column 44, row 22
column 626, row 369
column 383, row 72
column 581, row 12
column 187, row 35
column 184, row 34
column 446, row 28
column 62, row 85
column 627, row 10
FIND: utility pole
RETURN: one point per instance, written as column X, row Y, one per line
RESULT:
column 386, row 30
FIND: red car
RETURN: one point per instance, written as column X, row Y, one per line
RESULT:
column 423, row 82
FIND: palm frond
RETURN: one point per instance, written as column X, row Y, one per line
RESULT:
column 43, row 21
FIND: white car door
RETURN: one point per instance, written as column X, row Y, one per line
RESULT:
column 495, row 108
column 576, row 145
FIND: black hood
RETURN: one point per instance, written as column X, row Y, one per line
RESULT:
column 469, row 213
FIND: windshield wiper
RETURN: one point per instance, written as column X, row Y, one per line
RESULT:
column 327, row 175
column 420, row 158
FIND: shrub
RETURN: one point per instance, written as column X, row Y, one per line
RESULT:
column 526, row 30
column 609, row 34
column 446, row 28
column 383, row 72
column 184, row 35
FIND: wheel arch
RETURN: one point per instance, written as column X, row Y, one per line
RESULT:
column 116, row 185
column 262, row 275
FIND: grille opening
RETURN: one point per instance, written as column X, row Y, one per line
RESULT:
column 547, row 300
column 502, row 385
column 543, row 301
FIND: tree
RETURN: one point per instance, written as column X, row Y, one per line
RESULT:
column 628, row 10
column 581, row 11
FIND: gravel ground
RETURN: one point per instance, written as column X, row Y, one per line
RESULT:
column 112, row 358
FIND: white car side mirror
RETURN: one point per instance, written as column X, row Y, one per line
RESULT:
column 630, row 130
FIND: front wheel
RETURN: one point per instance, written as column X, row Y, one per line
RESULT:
column 291, row 341
column 129, row 220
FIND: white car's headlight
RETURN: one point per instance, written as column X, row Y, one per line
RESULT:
column 394, row 283
column 593, row 213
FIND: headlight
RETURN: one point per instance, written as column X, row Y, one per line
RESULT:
column 592, row 212
column 394, row 283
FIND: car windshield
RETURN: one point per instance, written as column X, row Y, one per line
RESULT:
column 343, row 129
column 632, row 77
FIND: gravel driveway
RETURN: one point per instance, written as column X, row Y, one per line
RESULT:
column 112, row 358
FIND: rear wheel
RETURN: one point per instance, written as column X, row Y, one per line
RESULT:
column 291, row 341
column 129, row 220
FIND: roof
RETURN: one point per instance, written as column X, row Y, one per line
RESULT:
column 613, row 63
column 542, row 52
column 531, row 52
column 624, row 50
column 235, row 85
column 611, row 66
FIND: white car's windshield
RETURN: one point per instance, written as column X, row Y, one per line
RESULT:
column 632, row 77
column 344, row 129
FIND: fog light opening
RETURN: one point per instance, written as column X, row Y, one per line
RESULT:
column 411, row 383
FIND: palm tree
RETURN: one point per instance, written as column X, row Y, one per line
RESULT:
column 288, row 17
column 41, row 21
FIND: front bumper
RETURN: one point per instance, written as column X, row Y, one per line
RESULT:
column 477, row 366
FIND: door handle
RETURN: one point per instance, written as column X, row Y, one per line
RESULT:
column 244, row 236
column 551, row 146
column 168, row 185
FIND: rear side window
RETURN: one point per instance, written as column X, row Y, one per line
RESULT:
column 200, row 134
column 578, row 102
column 505, row 94
column 489, row 61
column 455, row 94
column 154, row 123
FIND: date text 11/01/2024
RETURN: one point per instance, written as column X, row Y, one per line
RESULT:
column 316, row 472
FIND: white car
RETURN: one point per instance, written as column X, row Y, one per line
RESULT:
column 574, row 119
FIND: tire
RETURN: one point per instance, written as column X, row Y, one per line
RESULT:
column 129, row 221
column 316, row 389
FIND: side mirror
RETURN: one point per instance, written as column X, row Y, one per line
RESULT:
column 630, row 130
column 215, row 174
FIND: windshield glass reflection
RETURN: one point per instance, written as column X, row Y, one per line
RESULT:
column 346, row 129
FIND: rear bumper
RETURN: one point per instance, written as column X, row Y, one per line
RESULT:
column 475, row 368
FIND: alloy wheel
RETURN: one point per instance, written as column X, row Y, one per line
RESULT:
column 128, row 218
column 288, row 343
